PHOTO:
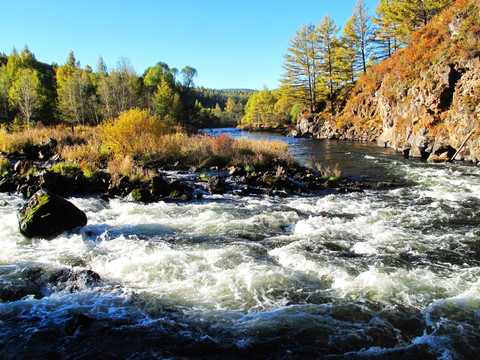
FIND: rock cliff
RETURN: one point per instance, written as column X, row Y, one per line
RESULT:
column 425, row 99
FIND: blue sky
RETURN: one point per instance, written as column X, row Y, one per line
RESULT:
column 232, row 44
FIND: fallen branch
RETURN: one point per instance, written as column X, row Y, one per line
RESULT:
column 463, row 144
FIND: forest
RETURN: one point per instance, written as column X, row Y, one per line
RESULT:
column 32, row 91
column 321, row 66
column 323, row 62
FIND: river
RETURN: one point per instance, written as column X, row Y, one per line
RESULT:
column 375, row 275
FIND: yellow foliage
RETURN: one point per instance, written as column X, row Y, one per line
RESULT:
column 134, row 132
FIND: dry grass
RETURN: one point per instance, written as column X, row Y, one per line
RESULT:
column 90, row 149
column 126, row 166
column 205, row 150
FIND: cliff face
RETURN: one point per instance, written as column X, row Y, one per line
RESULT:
column 425, row 99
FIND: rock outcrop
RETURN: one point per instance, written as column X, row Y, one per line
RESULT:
column 47, row 215
column 424, row 100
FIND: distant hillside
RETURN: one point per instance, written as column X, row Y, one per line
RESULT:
column 425, row 99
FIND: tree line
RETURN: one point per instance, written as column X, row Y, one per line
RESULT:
column 32, row 91
column 323, row 62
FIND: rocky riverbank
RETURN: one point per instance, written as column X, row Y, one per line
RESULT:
column 31, row 172
column 423, row 101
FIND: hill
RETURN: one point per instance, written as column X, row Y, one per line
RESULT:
column 425, row 99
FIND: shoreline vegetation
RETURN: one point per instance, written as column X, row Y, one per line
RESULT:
column 136, row 158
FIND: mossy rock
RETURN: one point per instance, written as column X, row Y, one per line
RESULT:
column 139, row 195
column 47, row 215
column 175, row 194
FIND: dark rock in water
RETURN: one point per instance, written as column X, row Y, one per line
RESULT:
column 7, row 184
column 140, row 195
column 236, row 171
column 26, row 190
column 37, row 281
column 160, row 186
column 47, row 215
column 52, row 181
column 216, row 185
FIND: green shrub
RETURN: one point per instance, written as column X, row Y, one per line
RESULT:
column 5, row 167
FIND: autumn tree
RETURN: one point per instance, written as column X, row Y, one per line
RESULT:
column 4, row 89
column 233, row 111
column 302, row 65
column 74, row 89
column 25, row 93
column 359, row 35
column 328, row 55
column 260, row 108
column 167, row 103
column 387, row 36
column 398, row 19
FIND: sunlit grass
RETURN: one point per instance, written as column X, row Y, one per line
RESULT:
column 88, row 149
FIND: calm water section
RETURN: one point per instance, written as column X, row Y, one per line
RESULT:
column 374, row 275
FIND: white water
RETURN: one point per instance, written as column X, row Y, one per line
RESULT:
column 352, row 270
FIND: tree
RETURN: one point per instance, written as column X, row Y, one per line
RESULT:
column 283, row 107
column 328, row 46
column 73, row 87
column 104, row 89
column 386, row 33
column 25, row 93
column 188, row 74
column 302, row 65
column 123, row 84
column 167, row 103
column 260, row 108
column 359, row 34
column 398, row 19
column 4, row 89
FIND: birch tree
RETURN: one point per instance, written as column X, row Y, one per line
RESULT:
column 25, row 93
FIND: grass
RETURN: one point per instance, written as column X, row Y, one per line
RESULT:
column 88, row 149
column 325, row 172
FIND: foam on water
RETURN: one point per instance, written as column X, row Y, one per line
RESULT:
column 354, row 265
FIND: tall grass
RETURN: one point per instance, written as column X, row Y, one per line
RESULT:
column 136, row 139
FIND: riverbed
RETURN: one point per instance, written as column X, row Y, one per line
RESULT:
column 380, row 274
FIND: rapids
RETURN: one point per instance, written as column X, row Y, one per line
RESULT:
column 374, row 275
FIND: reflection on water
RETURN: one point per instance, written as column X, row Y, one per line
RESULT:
column 352, row 157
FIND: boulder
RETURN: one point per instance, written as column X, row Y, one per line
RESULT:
column 216, row 185
column 139, row 195
column 47, row 215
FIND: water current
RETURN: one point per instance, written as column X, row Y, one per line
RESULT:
column 382, row 274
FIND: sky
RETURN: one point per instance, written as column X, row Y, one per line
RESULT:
column 232, row 44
